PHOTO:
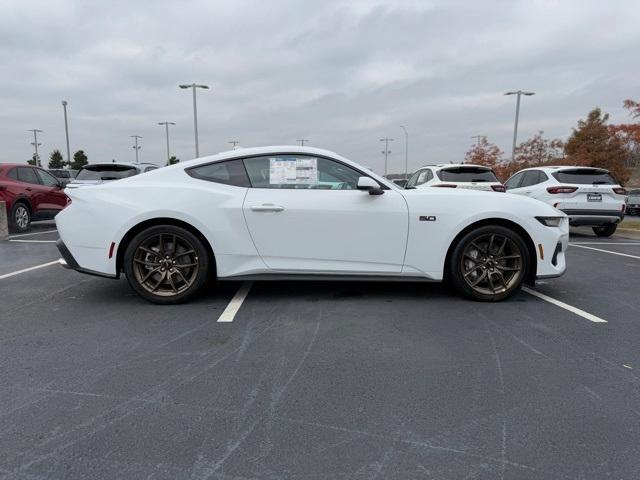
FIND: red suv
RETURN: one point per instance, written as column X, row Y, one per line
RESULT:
column 31, row 193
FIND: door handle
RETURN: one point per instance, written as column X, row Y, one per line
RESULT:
column 28, row 189
column 267, row 207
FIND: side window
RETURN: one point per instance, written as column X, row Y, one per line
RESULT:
column 231, row 172
column 531, row 177
column 27, row 175
column 300, row 172
column 47, row 179
column 542, row 177
column 414, row 178
column 514, row 182
column 424, row 177
column 13, row 174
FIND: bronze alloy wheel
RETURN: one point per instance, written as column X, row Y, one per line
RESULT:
column 492, row 263
column 165, row 264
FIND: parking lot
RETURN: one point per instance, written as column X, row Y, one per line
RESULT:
column 331, row 380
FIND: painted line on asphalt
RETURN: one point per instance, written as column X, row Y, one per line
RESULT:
column 604, row 243
column 566, row 306
column 606, row 251
column 33, row 241
column 25, row 270
column 33, row 233
column 236, row 302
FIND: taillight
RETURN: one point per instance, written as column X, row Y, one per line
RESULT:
column 445, row 185
column 499, row 188
column 620, row 190
column 624, row 206
column 561, row 189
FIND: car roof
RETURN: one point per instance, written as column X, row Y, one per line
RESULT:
column 559, row 168
column 456, row 165
column 123, row 164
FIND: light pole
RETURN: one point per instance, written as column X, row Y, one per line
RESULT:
column 166, row 126
column 234, row 143
column 193, row 87
column 406, row 152
column 136, row 147
column 515, row 127
column 36, row 144
column 386, row 152
column 66, row 132
column 302, row 141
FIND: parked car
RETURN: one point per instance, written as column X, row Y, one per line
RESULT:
column 633, row 202
column 30, row 193
column 589, row 196
column 266, row 213
column 63, row 175
column 97, row 173
column 473, row 177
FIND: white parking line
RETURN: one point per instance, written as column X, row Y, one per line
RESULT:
column 236, row 302
column 24, row 270
column 604, row 243
column 606, row 251
column 34, row 233
column 566, row 306
column 33, row 241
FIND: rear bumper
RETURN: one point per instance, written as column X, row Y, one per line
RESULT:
column 593, row 217
column 67, row 261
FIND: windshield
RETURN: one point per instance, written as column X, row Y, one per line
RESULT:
column 585, row 176
column 106, row 172
column 467, row 174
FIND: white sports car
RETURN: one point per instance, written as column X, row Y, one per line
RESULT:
column 303, row 213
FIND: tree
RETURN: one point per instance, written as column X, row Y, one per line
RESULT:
column 593, row 144
column 33, row 160
column 55, row 160
column 629, row 134
column 484, row 153
column 539, row 151
column 173, row 160
column 79, row 160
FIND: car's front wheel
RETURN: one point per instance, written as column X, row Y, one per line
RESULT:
column 19, row 217
column 166, row 264
column 489, row 263
column 605, row 230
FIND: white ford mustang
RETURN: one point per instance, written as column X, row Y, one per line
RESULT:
column 298, row 212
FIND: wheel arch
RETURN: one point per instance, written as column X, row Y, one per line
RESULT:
column 25, row 200
column 153, row 222
column 503, row 222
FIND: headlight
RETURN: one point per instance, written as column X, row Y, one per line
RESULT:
column 550, row 221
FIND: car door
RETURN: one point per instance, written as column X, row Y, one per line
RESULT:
column 33, row 189
column 520, row 183
column 306, row 215
column 54, row 198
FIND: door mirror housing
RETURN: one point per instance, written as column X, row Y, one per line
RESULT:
column 370, row 185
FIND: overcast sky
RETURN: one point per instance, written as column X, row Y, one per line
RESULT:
column 341, row 73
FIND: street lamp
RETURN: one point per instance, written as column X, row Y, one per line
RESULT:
column 136, row 147
column 406, row 152
column 386, row 152
column 66, row 132
column 166, row 126
column 234, row 143
column 515, row 127
column 193, row 87
column 302, row 141
column 36, row 144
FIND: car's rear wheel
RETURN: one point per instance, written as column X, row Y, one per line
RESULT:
column 166, row 264
column 489, row 263
column 20, row 217
column 605, row 230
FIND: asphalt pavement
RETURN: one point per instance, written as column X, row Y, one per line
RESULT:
column 330, row 380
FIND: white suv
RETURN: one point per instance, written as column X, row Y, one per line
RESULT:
column 589, row 196
column 474, row 177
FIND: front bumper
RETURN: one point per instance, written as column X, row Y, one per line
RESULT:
column 67, row 261
column 593, row 218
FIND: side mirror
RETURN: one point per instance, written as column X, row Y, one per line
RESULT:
column 370, row 185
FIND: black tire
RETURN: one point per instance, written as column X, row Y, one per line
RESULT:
column 20, row 217
column 170, row 256
column 605, row 230
column 493, row 255
column 633, row 211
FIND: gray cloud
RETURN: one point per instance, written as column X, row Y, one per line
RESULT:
column 340, row 73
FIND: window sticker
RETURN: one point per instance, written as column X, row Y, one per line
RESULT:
column 293, row 171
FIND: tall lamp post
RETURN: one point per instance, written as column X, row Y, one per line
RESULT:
column 234, row 143
column 193, row 87
column 136, row 147
column 36, row 144
column 515, row 127
column 386, row 152
column 302, row 141
column 166, row 127
column 406, row 152
column 66, row 132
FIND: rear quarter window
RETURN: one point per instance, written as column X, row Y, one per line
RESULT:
column 231, row 172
